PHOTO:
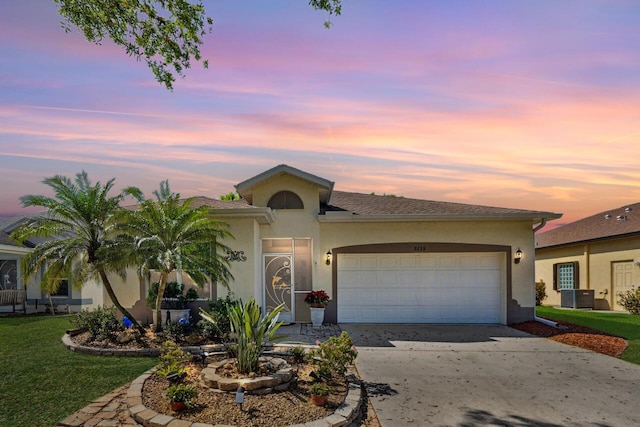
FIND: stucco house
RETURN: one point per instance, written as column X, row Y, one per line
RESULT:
column 600, row 252
column 383, row 259
column 11, row 254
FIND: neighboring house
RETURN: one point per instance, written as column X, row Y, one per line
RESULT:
column 11, row 254
column 600, row 252
column 383, row 259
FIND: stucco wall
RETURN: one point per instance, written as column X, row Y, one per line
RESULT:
column 306, row 190
column 514, row 234
column 595, row 262
column 246, row 274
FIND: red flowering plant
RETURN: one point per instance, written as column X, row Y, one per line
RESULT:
column 317, row 298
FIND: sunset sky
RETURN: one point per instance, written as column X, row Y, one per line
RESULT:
column 531, row 104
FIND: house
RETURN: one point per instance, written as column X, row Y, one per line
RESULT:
column 383, row 259
column 11, row 255
column 600, row 252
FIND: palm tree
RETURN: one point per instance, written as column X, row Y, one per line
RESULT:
column 167, row 234
column 78, row 220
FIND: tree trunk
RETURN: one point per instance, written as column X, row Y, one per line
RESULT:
column 161, row 286
column 114, row 300
column 53, row 310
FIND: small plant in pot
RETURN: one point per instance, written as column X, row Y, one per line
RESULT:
column 319, row 393
column 317, row 299
column 181, row 396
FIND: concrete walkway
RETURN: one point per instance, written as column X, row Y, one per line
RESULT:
column 420, row 375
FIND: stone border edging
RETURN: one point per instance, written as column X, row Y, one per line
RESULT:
column 141, row 352
column 346, row 413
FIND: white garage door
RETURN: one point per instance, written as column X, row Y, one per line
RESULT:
column 420, row 288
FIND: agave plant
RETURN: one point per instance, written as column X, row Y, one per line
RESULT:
column 251, row 332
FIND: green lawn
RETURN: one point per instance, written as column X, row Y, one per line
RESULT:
column 42, row 382
column 619, row 324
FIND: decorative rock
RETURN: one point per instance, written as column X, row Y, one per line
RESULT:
column 253, row 384
column 345, row 414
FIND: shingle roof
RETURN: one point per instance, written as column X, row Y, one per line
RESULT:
column 220, row 204
column 371, row 204
column 6, row 240
column 621, row 222
column 9, row 224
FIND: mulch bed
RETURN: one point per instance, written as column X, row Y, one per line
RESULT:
column 272, row 410
column 579, row 336
column 125, row 340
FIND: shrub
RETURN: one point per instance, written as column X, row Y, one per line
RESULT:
column 172, row 360
column 182, row 393
column 541, row 293
column 630, row 300
column 251, row 331
column 334, row 355
column 218, row 325
column 298, row 353
column 171, row 290
column 191, row 294
column 101, row 323
column 174, row 331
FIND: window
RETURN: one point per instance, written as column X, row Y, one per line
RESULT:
column 285, row 200
column 63, row 289
column 565, row 276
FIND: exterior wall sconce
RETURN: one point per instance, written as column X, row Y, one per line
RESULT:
column 518, row 257
column 328, row 258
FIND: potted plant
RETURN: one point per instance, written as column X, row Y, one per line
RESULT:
column 181, row 396
column 317, row 301
column 174, row 302
column 319, row 393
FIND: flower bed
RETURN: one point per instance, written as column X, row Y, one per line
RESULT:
column 275, row 409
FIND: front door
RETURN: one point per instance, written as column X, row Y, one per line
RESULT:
column 622, row 273
column 8, row 274
column 278, row 284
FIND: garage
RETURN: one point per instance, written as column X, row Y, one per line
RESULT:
column 420, row 287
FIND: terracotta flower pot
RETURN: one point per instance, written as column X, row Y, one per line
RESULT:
column 178, row 406
column 319, row 400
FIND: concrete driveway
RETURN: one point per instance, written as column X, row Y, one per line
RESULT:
column 467, row 375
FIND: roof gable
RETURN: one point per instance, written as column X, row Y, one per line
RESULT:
column 614, row 223
column 245, row 188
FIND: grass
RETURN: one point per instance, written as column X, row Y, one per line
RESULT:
column 619, row 324
column 42, row 382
